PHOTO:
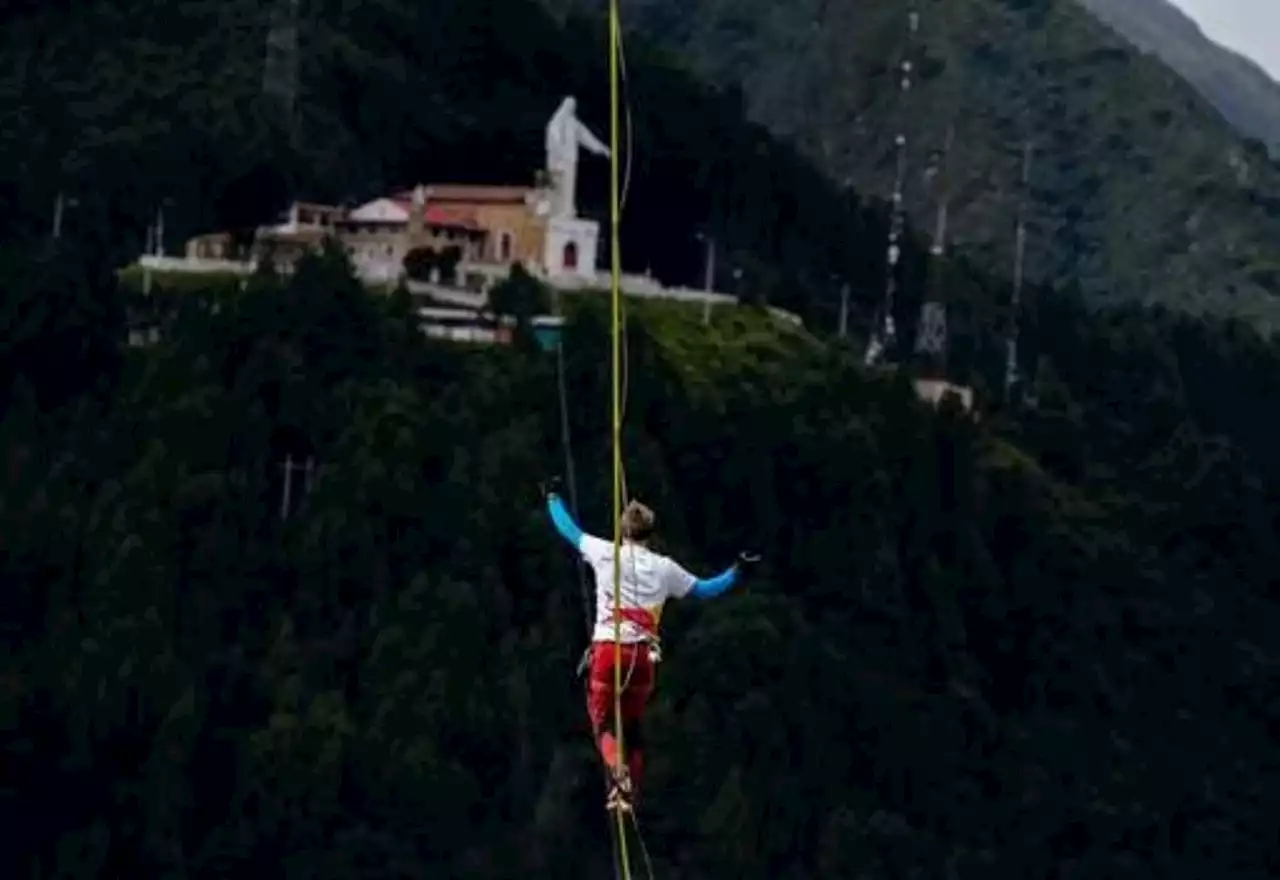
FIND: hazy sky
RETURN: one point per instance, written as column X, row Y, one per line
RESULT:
column 1251, row 27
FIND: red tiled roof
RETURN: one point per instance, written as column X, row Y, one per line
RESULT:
column 468, row 193
column 453, row 218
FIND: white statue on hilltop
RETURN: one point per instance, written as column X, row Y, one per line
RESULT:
column 565, row 134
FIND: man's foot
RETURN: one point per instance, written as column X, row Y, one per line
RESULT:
column 618, row 802
column 620, row 794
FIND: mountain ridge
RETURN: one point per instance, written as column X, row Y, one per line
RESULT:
column 1246, row 94
column 1140, row 189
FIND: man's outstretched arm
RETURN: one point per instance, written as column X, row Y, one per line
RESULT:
column 563, row 521
column 708, row 588
column 589, row 546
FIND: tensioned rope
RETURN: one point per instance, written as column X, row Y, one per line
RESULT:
column 619, row 190
column 622, row 207
column 619, row 83
column 570, row 460
column 571, row 475
column 571, row 470
column 615, row 293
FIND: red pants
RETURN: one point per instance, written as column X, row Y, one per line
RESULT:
column 637, row 685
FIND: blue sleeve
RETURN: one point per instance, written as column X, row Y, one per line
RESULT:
column 563, row 521
column 706, row 588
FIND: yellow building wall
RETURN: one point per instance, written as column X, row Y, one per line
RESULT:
column 526, row 229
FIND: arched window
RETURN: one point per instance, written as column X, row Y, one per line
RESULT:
column 571, row 255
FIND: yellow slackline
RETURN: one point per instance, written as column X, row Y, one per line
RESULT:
column 616, row 326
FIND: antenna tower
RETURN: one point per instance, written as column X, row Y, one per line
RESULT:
column 884, row 336
column 931, row 337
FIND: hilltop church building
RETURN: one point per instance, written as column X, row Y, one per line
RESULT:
column 493, row 227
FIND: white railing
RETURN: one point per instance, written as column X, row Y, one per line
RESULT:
column 197, row 265
column 641, row 286
column 483, row 335
column 632, row 285
column 463, row 316
column 452, row 295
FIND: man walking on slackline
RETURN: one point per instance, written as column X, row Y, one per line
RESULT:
column 648, row 579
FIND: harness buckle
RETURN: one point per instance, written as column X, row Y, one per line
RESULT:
column 655, row 652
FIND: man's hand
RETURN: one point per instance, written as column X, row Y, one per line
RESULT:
column 746, row 559
column 550, row 487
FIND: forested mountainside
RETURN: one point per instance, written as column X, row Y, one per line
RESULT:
column 170, row 108
column 1245, row 93
column 1141, row 190
column 1037, row 644
column 1027, row 649
column 124, row 104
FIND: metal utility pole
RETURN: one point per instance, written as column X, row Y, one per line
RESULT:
column 286, row 495
column 709, row 279
column 844, row 311
column 154, row 245
column 288, row 485
column 60, row 204
column 159, row 239
column 708, row 274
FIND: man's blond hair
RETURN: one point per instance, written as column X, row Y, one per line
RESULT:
column 637, row 522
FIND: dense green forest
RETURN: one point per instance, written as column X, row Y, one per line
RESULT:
column 1036, row 644
column 1028, row 649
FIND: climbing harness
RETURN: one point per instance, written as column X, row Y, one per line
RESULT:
column 648, row 624
column 643, row 619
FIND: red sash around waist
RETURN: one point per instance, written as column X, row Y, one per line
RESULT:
column 641, row 617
